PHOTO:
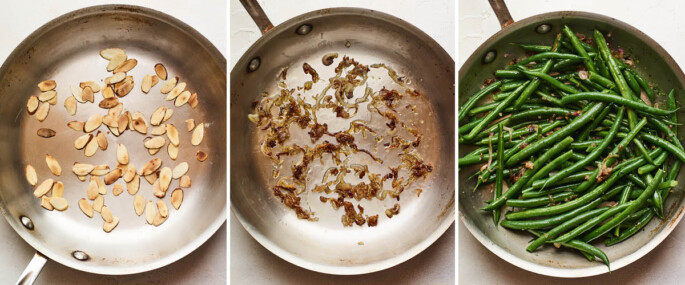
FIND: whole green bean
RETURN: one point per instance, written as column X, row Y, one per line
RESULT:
column 548, row 55
column 535, row 82
column 645, row 85
column 500, row 173
column 597, row 96
column 589, row 224
column 540, row 201
column 476, row 97
column 644, row 220
column 549, row 79
column 583, row 247
column 678, row 152
column 625, row 195
column 551, row 221
column 579, row 48
column 580, row 176
column 494, row 113
column 531, row 193
column 565, row 226
column 535, row 48
column 606, row 82
column 632, row 83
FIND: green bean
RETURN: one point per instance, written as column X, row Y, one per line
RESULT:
column 554, row 164
column 495, row 112
column 580, row 176
column 613, row 191
column 583, row 247
column 678, row 152
column 469, row 126
column 531, row 193
column 645, row 85
column 659, row 160
column 632, row 83
column 541, row 113
column 540, row 201
column 625, row 195
column 535, row 48
column 579, row 48
column 535, row 82
column 585, row 144
column 501, row 96
column 595, row 77
column 644, row 220
column 548, row 55
column 601, row 67
column 500, row 174
column 583, row 136
column 637, row 215
column 549, row 98
column 565, row 226
column 476, row 97
column 637, row 180
column 551, row 221
column 672, row 174
column 590, row 223
column 512, row 74
column 565, row 63
column 597, row 96
column 549, row 79
column 512, row 85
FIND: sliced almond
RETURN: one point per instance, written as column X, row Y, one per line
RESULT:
column 160, row 70
column 70, row 105
column 157, row 190
column 139, row 124
column 122, row 154
column 93, row 86
column 87, row 95
column 177, row 198
column 190, row 124
column 139, row 204
column 31, row 175
column 109, row 53
column 146, row 85
column 126, row 66
column 91, row 148
column 106, row 214
column 45, row 203
column 107, row 92
column 93, row 122
column 158, row 130
column 47, row 85
column 86, row 207
column 201, row 156
column 150, row 212
column 198, row 134
column 176, row 91
column 151, row 178
column 59, row 203
column 184, row 182
column 102, row 190
column 109, row 103
column 133, row 186
column 193, row 100
column 76, row 92
column 129, row 173
column 109, row 226
column 57, row 189
column 47, row 95
column 179, row 170
column 113, row 176
column 99, row 170
column 122, row 89
column 32, row 104
column 42, row 111
column 81, row 178
column 172, row 134
column 92, row 190
column 98, row 203
column 157, row 116
column 154, row 143
column 82, row 169
column 46, row 133
column 82, row 141
column 115, row 61
column 153, row 151
column 54, row 166
column 116, row 78
column 76, row 125
column 162, row 208
column 173, row 151
column 117, row 189
column 151, row 166
column 53, row 101
column 167, row 114
column 122, row 122
column 169, row 85
column 102, row 140
column 165, row 176
column 158, row 220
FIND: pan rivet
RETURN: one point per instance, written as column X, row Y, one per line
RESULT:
column 80, row 255
column 26, row 222
column 304, row 29
column 543, row 28
column 490, row 56
column 254, row 64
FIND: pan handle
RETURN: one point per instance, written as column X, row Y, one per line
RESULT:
column 33, row 269
column 258, row 16
column 501, row 11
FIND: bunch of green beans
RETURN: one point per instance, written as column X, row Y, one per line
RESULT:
column 575, row 153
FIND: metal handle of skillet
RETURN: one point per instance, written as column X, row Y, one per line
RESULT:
column 501, row 11
column 258, row 16
column 33, row 269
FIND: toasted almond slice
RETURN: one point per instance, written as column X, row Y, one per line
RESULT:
column 146, row 85
column 53, row 101
column 156, row 142
column 81, row 178
column 91, row 148
column 165, row 178
column 107, row 92
column 129, row 173
column 139, row 204
column 134, row 185
column 43, row 188
column 42, row 112
column 157, row 190
column 153, row 151
column 190, row 124
column 158, row 130
column 180, row 170
column 54, row 166
column 162, row 208
column 177, row 198
column 113, row 176
column 172, row 134
column 176, row 91
column 155, row 80
column 160, row 70
column 70, row 105
column 116, row 111
column 122, row 122
column 173, row 151
column 109, row 226
column 198, row 134
column 31, row 175
column 87, row 95
column 169, row 85
column 57, row 189
column 102, row 140
column 76, row 92
column 47, row 95
column 76, row 125
column 167, row 114
column 82, row 141
column 109, row 120
column 93, row 86
column 115, row 61
column 47, row 85
column 106, row 214
column 151, row 178
column 32, row 104
column 193, row 100
column 102, row 190
column 45, row 203
column 109, row 53
column 150, row 212
column 130, row 121
column 82, row 169
column 86, row 207
column 151, row 166
column 100, row 170
column 59, row 203
column 108, row 103
column 201, row 156
column 98, row 203
column 116, row 78
column 117, row 189
column 126, row 66
column 93, row 122
column 92, row 190
column 139, row 125
column 184, row 182
column 122, row 154
column 46, row 133
column 123, row 88
column 157, row 116
column 158, row 220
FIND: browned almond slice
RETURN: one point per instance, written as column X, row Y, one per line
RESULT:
column 158, row 220
column 139, row 204
column 113, row 176
column 172, row 134
column 123, row 88
column 115, row 61
column 99, row 170
column 54, row 166
column 98, row 203
column 179, row 170
column 109, row 120
column 81, row 178
column 193, row 100
column 153, row 151
column 160, row 70
column 158, row 130
column 116, row 111
column 155, row 80
column 57, row 189
column 102, row 190
column 167, row 114
column 82, row 141
column 162, row 208
column 201, row 156
column 151, row 166
column 198, row 134
column 157, row 190
column 47, row 85
column 150, row 212
column 117, row 189
column 82, row 169
column 109, row 103
column 86, row 207
column 107, row 92
column 151, row 178
column 93, row 86
column 76, row 92
column 42, row 111
column 146, row 85
column 122, row 154
column 173, row 151
column 53, row 101
column 165, row 178
column 47, row 95
column 154, row 143
column 109, row 53
column 31, row 175
column 184, row 182
column 157, row 116
column 76, row 125
column 91, row 148
column 176, row 91
column 126, row 66
column 116, row 78
column 166, row 87
column 32, row 104
column 129, row 173
column 139, row 125
column 70, row 105
column 102, row 140
column 106, row 214
column 190, row 124
column 46, row 133
column 177, row 198
column 133, row 185
column 59, row 203
column 122, row 122
column 109, row 226
column 92, row 191
column 45, row 203
column 93, row 122
column 87, row 95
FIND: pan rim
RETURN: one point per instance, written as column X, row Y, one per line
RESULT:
column 364, row 268
column 181, row 252
column 598, row 269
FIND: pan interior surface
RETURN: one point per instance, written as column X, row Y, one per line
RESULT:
column 326, row 245
column 67, row 50
column 652, row 61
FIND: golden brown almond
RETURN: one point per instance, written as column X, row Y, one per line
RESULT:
column 158, row 220
column 158, row 130
column 160, row 70
column 53, row 165
column 201, row 156
column 53, row 101
column 92, row 190
column 98, row 203
column 126, row 66
column 184, row 181
column 198, row 134
column 70, row 105
column 91, row 148
column 150, row 212
column 167, row 114
column 87, row 95
column 102, row 140
column 82, row 141
column 109, row 53
column 122, row 154
column 59, row 203
column 82, row 169
column 154, row 143
column 165, row 176
column 113, row 176
column 177, row 198
column 139, row 124
column 100, row 170
column 106, row 214
column 57, row 189
column 151, row 166
column 109, row 226
column 190, row 124
column 102, row 190
column 139, row 204
column 155, row 80
column 169, row 85
column 93, row 86
column 32, row 105
column 129, row 173
column 179, row 170
column 108, row 103
column 193, row 100
column 172, row 134
column 157, row 190
column 122, row 122
column 46, row 133
column 93, row 122
column 134, row 185
column 173, row 151
column 47, row 85
column 107, row 92
column 117, row 189
column 86, row 207
column 162, row 208
column 47, row 95
column 157, row 116
column 42, row 111
column 146, row 85
column 45, row 203
column 116, row 78
column 151, row 178
column 122, row 89
column 115, row 61
column 76, row 125
column 176, row 91
column 153, row 151
column 31, row 175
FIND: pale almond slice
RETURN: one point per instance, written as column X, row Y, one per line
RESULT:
column 150, row 212
column 102, row 140
column 86, row 207
column 81, row 178
column 46, row 133
column 76, row 92
column 165, row 178
column 177, row 198
column 93, row 122
column 167, row 114
column 100, row 170
column 160, row 70
column 117, row 189
column 31, row 175
column 82, row 141
column 157, row 116
column 129, row 173
column 110, row 53
column 139, row 123
column 107, row 92
column 139, row 204
column 158, row 220
column 113, row 176
column 53, row 165
column 193, row 100
column 108, row 103
column 57, row 189
column 169, row 85
column 59, row 203
column 201, row 156
column 70, row 105
column 198, row 134
column 133, row 186
column 172, row 134
column 158, row 130
column 122, row 89
column 82, row 169
column 106, row 214
column 173, row 151
column 153, row 151
column 47, row 85
column 184, row 182
column 76, row 126
column 102, row 190
column 157, row 190
column 151, row 166
column 115, row 61
column 162, row 208
column 116, row 78
column 47, row 95
column 151, row 178
column 93, row 86
column 146, row 85
column 179, row 170
column 32, row 104
column 45, row 203
column 122, row 154
column 91, row 148
column 176, row 91
column 92, row 190
column 122, row 122
column 109, row 226
column 126, row 66
column 154, row 143
column 53, row 101
column 87, row 95
column 190, row 124
column 98, row 203
column 42, row 111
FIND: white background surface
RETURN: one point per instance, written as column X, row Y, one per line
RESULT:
column 253, row 264
column 207, row 265
column 661, row 20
